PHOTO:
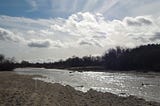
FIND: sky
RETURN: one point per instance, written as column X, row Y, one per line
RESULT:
column 49, row 30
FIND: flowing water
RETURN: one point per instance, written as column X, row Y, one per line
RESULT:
column 144, row 85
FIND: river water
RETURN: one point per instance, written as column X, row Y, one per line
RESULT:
column 144, row 85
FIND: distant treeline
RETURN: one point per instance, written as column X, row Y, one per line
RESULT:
column 142, row 58
column 6, row 64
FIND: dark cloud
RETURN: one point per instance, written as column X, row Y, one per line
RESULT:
column 99, row 37
column 138, row 21
column 145, row 21
column 85, row 43
column 89, row 42
column 44, row 43
column 132, row 23
column 39, row 43
column 141, row 39
column 155, row 37
column 3, row 35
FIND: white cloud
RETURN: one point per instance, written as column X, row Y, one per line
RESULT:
column 7, row 35
column 82, row 25
column 86, row 29
column 89, row 28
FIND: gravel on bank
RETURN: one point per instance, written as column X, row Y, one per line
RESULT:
column 22, row 90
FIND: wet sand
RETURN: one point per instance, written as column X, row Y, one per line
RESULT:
column 22, row 90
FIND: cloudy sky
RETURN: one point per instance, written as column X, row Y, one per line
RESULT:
column 49, row 30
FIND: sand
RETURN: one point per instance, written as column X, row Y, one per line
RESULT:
column 22, row 90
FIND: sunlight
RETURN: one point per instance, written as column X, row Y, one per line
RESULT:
column 107, row 5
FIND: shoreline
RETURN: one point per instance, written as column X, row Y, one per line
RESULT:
column 22, row 90
column 99, row 69
column 92, row 69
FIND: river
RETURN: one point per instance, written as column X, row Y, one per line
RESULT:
column 143, row 85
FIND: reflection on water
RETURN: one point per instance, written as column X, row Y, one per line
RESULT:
column 145, row 85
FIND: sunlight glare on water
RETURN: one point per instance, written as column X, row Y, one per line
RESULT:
column 145, row 85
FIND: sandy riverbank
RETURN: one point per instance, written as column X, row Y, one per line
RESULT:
column 22, row 90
